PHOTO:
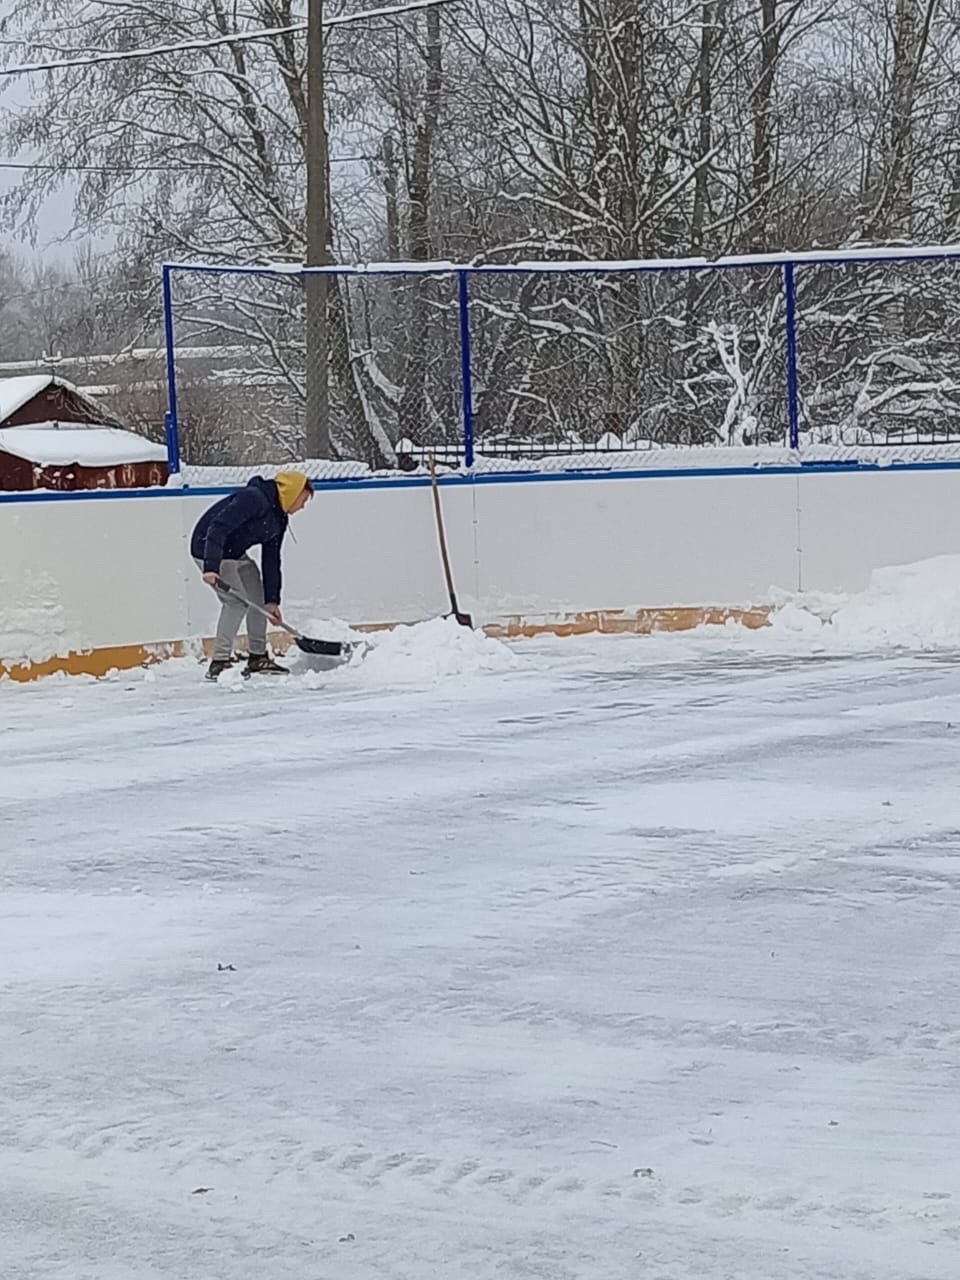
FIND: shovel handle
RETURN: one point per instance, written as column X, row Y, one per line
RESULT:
column 227, row 590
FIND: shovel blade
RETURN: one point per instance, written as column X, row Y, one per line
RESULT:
column 325, row 648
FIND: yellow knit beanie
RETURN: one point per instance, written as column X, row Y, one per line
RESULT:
column 290, row 485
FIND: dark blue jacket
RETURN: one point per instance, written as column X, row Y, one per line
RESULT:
column 252, row 516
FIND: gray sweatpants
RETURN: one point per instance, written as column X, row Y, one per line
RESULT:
column 245, row 576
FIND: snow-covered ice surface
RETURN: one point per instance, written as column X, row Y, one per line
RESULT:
column 610, row 959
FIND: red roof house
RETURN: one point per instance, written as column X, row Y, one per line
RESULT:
column 52, row 436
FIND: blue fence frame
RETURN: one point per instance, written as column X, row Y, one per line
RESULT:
column 788, row 264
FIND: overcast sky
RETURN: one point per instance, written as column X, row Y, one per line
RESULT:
column 54, row 221
column 55, row 218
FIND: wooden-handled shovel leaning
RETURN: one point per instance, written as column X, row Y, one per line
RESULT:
column 455, row 612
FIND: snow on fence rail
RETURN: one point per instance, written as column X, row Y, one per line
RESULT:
column 652, row 461
column 536, row 360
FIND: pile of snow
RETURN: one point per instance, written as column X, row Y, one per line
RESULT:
column 433, row 650
column 912, row 606
column 418, row 654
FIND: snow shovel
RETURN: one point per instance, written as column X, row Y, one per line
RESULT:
column 463, row 619
column 326, row 648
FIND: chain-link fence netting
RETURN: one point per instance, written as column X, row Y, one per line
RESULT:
column 367, row 369
column 877, row 352
column 877, row 347
column 602, row 361
column 283, row 366
column 561, row 362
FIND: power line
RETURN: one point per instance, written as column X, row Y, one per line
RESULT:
column 26, row 166
column 237, row 38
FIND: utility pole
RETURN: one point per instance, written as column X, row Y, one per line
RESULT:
column 318, row 243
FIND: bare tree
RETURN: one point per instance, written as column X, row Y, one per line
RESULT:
column 196, row 154
column 505, row 130
column 890, row 192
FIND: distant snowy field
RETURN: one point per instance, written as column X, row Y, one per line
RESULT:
column 595, row 959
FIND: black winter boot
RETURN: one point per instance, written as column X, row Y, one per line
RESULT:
column 218, row 666
column 261, row 664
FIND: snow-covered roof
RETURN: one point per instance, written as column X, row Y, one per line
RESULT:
column 50, row 444
column 16, row 392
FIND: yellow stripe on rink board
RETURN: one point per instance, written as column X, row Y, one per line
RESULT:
column 642, row 622
column 98, row 662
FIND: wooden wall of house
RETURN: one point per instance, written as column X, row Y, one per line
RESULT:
column 16, row 474
column 19, row 475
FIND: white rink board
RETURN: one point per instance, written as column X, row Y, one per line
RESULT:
column 579, row 545
column 89, row 573
column 96, row 572
column 363, row 555
column 855, row 522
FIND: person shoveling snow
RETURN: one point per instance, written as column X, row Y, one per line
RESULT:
column 256, row 515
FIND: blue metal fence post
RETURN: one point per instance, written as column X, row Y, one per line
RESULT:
column 171, row 421
column 793, row 402
column 173, row 444
column 466, row 366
